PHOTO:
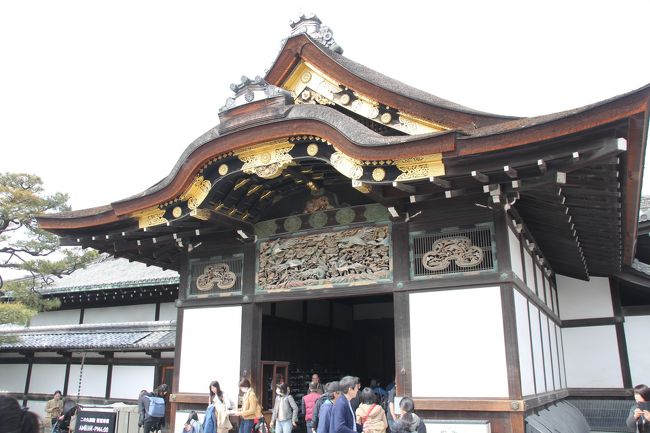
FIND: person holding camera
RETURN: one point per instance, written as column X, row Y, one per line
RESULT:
column 638, row 421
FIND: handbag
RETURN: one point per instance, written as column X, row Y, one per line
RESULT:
column 223, row 420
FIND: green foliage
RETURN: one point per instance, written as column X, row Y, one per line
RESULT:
column 26, row 248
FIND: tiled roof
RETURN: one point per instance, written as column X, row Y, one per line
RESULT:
column 132, row 336
column 110, row 273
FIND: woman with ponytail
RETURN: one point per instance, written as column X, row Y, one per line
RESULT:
column 14, row 419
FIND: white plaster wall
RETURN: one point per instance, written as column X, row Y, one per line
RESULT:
column 554, row 354
column 57, row 317
column 38, row 407
column 591, row 357
column 13, row 377
column 530, row 271
column 560, row 337
column 457, row 343
column 127, row 313
column 515, row 255
column 203, row 359
column 47, row 378
column 540, row 282
column 548, row 359
column 523, row 339
column 636, row 337
column 93, row 380
column 549, row 299
column 584, row 299
column 167, row 311
column 536, row 341
column 128, row 380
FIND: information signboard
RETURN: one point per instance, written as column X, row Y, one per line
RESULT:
column 95, row 421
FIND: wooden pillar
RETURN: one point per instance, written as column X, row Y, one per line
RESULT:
column 251, row 326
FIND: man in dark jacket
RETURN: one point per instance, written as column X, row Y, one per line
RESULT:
column 330, row 389
column 343, row 419
column 148, row 422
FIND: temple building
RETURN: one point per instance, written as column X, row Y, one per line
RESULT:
column 339, row 221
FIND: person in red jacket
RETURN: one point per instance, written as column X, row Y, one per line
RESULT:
column 308, row 403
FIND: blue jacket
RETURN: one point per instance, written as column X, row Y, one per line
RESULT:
column 210, row 420
column 343, row 420
column 324, row 416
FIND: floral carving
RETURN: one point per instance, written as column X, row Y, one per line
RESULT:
column 218, row 274
column 459, row 249
column 354, row 256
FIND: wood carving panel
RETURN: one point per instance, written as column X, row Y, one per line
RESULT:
column 347, row 257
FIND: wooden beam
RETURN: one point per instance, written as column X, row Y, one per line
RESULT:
column 480, row 177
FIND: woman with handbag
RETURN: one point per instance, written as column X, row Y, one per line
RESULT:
column 250, row 408
column 223, row 407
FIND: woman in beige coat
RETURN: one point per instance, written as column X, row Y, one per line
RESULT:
column 370, row 414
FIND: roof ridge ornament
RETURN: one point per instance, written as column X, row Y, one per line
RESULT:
column 250, row 91
column 313, row 27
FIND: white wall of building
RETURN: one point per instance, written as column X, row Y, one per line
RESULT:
column 57, row 317
column 167, row 311
column 47, row 378
column 457, row 343
column 636, row 337
column 515, row 255
column 538, row 351
column 93, row 380
column 207, row 355
column 546, row 347
column 13, row 377
column 584, row 299
column 127, row 313
column 526, row 369
column 128, row 380
column 591, row 356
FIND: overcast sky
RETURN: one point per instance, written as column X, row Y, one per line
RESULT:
column 100, row 98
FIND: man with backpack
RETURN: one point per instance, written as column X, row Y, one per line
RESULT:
column 151, row 406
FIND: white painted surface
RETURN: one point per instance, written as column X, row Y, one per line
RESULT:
column 562, row 359
column 515, row 255
column 584, row 299
column 457, row 343
column 636, row 337
column 57, row 317
column 554, row 355
column 457, row 426
column 530, row 271
column 38, row 407
column 523, row 342
column 167, row 311
column 591, row 356
column 549, row 299
column 93, row 380
column 127, row 313
column 546, row 345
column 540, row 282
column 129, row 380
column 13, row 377
column 47, row 378
column 536, row 341
column 205, row 357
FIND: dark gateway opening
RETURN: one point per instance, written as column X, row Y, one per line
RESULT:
column 331, row 337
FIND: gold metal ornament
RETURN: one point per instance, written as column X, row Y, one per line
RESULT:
column 151, row 217
column 312, row 149
column 306, row 77
column 345, row 99
column 420, row 167
column 197, row 192
column 348, row 167
column 378, row 174
column 386, row 118
column 223, row 169
column 177, row 212
column 267, row 160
